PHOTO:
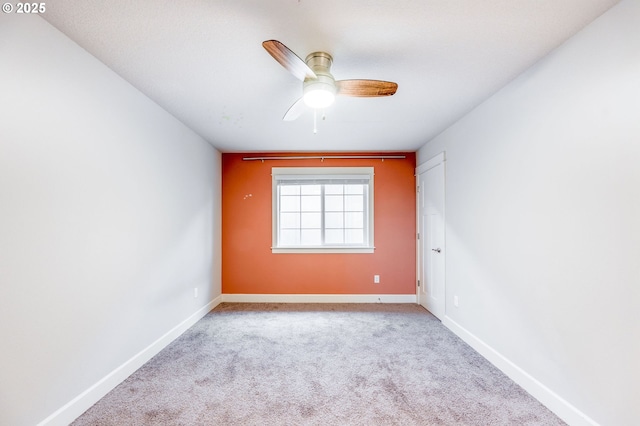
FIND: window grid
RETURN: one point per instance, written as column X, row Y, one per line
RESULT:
column 345, row 239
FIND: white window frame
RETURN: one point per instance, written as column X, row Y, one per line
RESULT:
column 316, row 173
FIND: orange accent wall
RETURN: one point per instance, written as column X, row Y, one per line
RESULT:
column 249, row 267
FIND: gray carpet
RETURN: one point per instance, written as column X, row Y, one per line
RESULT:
column 318, row 364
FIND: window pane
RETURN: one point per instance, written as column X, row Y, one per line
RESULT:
column 354, row 203
column 310, row 203
column 333, row 203
column 334, row 189
column 333, row 220
column 289, row 237
column 354, row 189
column 289, row 189
column 354, row 236
column 289, row 220
column 354, row 220
column 310, row 237
column 289, row 203
column 334, row 236
column 310, row 189
column 311, row 220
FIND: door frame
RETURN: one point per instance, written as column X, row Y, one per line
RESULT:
column 434, row 161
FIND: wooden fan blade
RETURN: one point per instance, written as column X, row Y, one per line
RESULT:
column 365, row 88
column 295, row 110
column 288, row 59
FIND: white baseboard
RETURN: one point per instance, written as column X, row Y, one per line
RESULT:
column 320, row 298
column 74, row 408
column 546, row 396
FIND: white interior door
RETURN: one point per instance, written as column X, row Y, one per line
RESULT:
column 431, row 249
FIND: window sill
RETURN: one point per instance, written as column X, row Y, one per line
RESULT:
column 301, row 250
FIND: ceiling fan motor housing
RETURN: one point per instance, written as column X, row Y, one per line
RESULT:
column 319, row 92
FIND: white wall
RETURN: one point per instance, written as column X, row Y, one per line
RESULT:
column 543, row 223
column 109, row 217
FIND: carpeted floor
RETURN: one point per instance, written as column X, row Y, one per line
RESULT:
column 318, row 364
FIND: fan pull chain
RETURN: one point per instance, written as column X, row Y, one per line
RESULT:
column 315, row 121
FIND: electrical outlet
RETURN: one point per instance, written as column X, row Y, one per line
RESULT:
column 376, row 279
column 195, row 292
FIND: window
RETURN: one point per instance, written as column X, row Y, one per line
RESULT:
column 322, row 209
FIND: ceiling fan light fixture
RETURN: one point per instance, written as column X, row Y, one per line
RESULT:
column 319, row 93
column 319, row 98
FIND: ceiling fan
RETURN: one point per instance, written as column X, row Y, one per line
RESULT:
column 319, row 88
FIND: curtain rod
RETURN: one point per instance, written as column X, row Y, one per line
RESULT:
column 322, row 157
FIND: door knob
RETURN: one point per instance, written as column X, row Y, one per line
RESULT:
column 437, row 250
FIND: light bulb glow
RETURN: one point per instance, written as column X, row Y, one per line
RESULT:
column 319, row 93
column 318, row 98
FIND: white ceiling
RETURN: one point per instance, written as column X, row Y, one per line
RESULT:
column 203, row 61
